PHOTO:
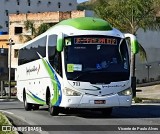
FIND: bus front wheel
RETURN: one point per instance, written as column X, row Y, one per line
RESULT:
column 53, row 110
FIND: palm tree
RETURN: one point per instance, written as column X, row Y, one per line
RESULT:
column 30, row 26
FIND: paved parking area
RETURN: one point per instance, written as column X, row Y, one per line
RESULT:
column 151, row 92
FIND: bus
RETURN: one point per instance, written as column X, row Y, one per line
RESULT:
column 81, row 63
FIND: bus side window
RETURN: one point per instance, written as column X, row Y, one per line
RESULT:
column 29, row 53
column 53, row 55
column 125, row 56
column 57, row 64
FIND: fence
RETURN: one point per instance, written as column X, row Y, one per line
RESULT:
column 4, row 89
column 149, row 72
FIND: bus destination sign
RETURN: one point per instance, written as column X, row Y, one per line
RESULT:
column 95, row 40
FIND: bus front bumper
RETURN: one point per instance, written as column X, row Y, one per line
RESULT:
column 89, row 101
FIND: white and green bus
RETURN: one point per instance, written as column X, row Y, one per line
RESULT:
column 78, row 63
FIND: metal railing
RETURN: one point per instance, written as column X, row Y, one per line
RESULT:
column 4, row 90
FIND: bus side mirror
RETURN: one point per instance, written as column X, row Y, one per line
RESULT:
column 60, row 42
column 134, row 43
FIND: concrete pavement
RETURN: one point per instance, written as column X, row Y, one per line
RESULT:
column 149, row 92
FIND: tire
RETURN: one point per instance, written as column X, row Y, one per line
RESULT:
column 107, row 112
column 27, row 106
column 35, row 107
column 53, row 110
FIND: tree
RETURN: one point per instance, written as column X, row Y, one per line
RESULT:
column 29, row 25
column 129, row 16
column 88, row 5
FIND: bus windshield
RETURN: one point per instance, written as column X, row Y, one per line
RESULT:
column 96, row 59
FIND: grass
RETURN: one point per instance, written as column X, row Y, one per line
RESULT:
column 5, row 122
column 137, row 100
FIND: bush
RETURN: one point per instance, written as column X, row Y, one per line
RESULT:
column 138, row 81
column 5, row 121
column 137, row 100
column 144, row 80
column 151, row 79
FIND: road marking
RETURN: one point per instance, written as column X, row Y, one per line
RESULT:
column 6, row 112
column 3, row 111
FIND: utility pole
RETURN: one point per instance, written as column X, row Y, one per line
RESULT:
column 148, row 67
column 133, row 60
column 9, row 67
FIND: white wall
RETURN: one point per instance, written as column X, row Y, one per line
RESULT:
column 12, row 7
column 150, row 40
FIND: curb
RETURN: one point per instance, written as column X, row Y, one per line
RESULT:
column 17, row 121
column 9, row 122
column 150, row 101
column 146, row 100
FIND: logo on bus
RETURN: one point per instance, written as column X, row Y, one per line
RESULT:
column 33, row 69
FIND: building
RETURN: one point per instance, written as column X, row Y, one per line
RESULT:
column 3, row 56
column 150, row 69
column 32, row 6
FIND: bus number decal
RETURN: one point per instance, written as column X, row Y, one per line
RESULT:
column 76, row 83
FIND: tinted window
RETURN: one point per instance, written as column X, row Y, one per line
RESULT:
column 53, row 55
column 30, row 52
column 96, row 59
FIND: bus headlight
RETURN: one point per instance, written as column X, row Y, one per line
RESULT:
column 70, row 92
column 126, row 92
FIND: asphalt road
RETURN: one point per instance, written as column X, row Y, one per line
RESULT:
column 136, row 115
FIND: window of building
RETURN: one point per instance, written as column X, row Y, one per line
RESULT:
column 1, row 70
column 17, row 12
column 59, row 5
column 70, row 4
column 16, row 51
column 18, row 30
column 29, row 3
column 28, row 12
column 49, row 3
column 17, row 2
column 7, row 24
column 39, row 2
column 6, row 12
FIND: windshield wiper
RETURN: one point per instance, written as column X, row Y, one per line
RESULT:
column 89, row 71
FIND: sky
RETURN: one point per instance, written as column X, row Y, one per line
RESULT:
column 79, row 1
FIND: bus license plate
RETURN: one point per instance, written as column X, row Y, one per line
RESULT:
column 99, row 102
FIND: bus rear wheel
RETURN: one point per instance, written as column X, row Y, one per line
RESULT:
column 27, row 106
column 106, row 112
column 35, row 107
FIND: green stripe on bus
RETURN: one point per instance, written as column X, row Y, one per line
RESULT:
column 36, row 100
column 54, row 83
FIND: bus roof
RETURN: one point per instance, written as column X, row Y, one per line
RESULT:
column 87, row 23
